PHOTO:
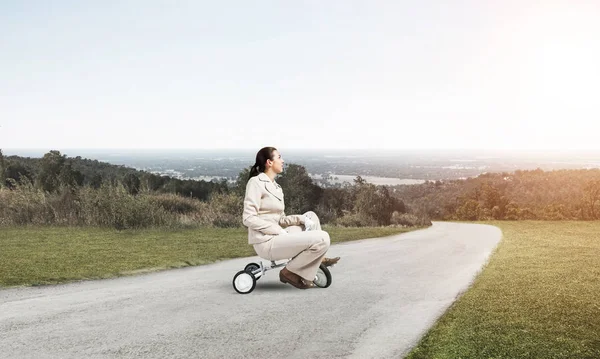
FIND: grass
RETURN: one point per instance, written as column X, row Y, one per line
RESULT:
column 50, row 255
column 538, row 297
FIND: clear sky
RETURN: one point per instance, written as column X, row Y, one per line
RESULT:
column 300, row 74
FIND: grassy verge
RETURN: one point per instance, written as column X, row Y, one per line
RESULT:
column 49, row 255
column 538, row 297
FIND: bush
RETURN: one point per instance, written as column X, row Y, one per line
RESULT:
column 22, row 204
column 113, row 206
column 356, row 220
column 326, row 215
column 409, row 220
column 63, row 207
column 226, row 210
column 175, row 203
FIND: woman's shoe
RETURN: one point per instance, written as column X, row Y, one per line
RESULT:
column 327, row 262
column 285, row 276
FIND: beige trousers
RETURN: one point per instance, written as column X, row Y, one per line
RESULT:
column 306, row 249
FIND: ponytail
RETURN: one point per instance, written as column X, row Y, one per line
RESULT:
column 254, row 171
column 265, row 153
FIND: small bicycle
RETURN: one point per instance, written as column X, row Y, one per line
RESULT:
column 244, row 281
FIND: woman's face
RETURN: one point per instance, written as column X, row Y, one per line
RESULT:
column 276, row 162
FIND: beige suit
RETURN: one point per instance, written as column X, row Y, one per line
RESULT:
column 265, row 218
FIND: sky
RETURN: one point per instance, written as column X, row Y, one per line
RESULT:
column 300, row 74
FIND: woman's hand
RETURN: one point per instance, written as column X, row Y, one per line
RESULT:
column 308, row 224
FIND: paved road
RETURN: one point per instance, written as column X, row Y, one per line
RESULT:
column 385, row 294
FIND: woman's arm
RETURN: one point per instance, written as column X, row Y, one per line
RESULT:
column 291, row 220
column 250, row 216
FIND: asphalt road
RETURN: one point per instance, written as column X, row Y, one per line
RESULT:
column 385, row 294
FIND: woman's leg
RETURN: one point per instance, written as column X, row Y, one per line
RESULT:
column 294, row 229
column 313, row 217
column 306, row 249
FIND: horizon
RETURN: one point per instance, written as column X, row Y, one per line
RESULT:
column 478, row 154
column 382, row 167
column 307, row 149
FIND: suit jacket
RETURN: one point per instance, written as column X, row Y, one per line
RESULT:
column 264, row 210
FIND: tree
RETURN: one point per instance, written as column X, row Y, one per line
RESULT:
column 152, row 182
column 51, row 166
column 241, row 181
column 2, row 169
column 374, row 202
column 469, row 210
column 513, row 212
column 336, row 201
column 96, row 181
column 301, row 194
column 131, row 182
column 592, row 197
column 69, row 177
column 491, row 196
column 18, row 173
column 359, row 181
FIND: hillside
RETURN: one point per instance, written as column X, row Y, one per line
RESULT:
column 534, row 194
column 55, row 169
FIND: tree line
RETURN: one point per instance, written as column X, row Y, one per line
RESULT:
column 519, row 195
column 55, row 170
column 56, row 189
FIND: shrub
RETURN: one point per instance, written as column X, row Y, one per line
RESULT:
column 226, row 210
column 356, row 220
column 409, row 220
column 175, row 203
column 113, row 206
column 23, row 204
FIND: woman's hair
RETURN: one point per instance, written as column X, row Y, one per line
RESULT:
column 265, row 153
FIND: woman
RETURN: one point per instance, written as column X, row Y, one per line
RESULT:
column 265, row 218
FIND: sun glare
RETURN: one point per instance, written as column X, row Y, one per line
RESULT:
column 555, row 56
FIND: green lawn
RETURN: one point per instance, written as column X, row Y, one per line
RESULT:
column 49, row 255
column 538, row 297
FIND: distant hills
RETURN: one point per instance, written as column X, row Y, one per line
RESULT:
column 415, row 164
